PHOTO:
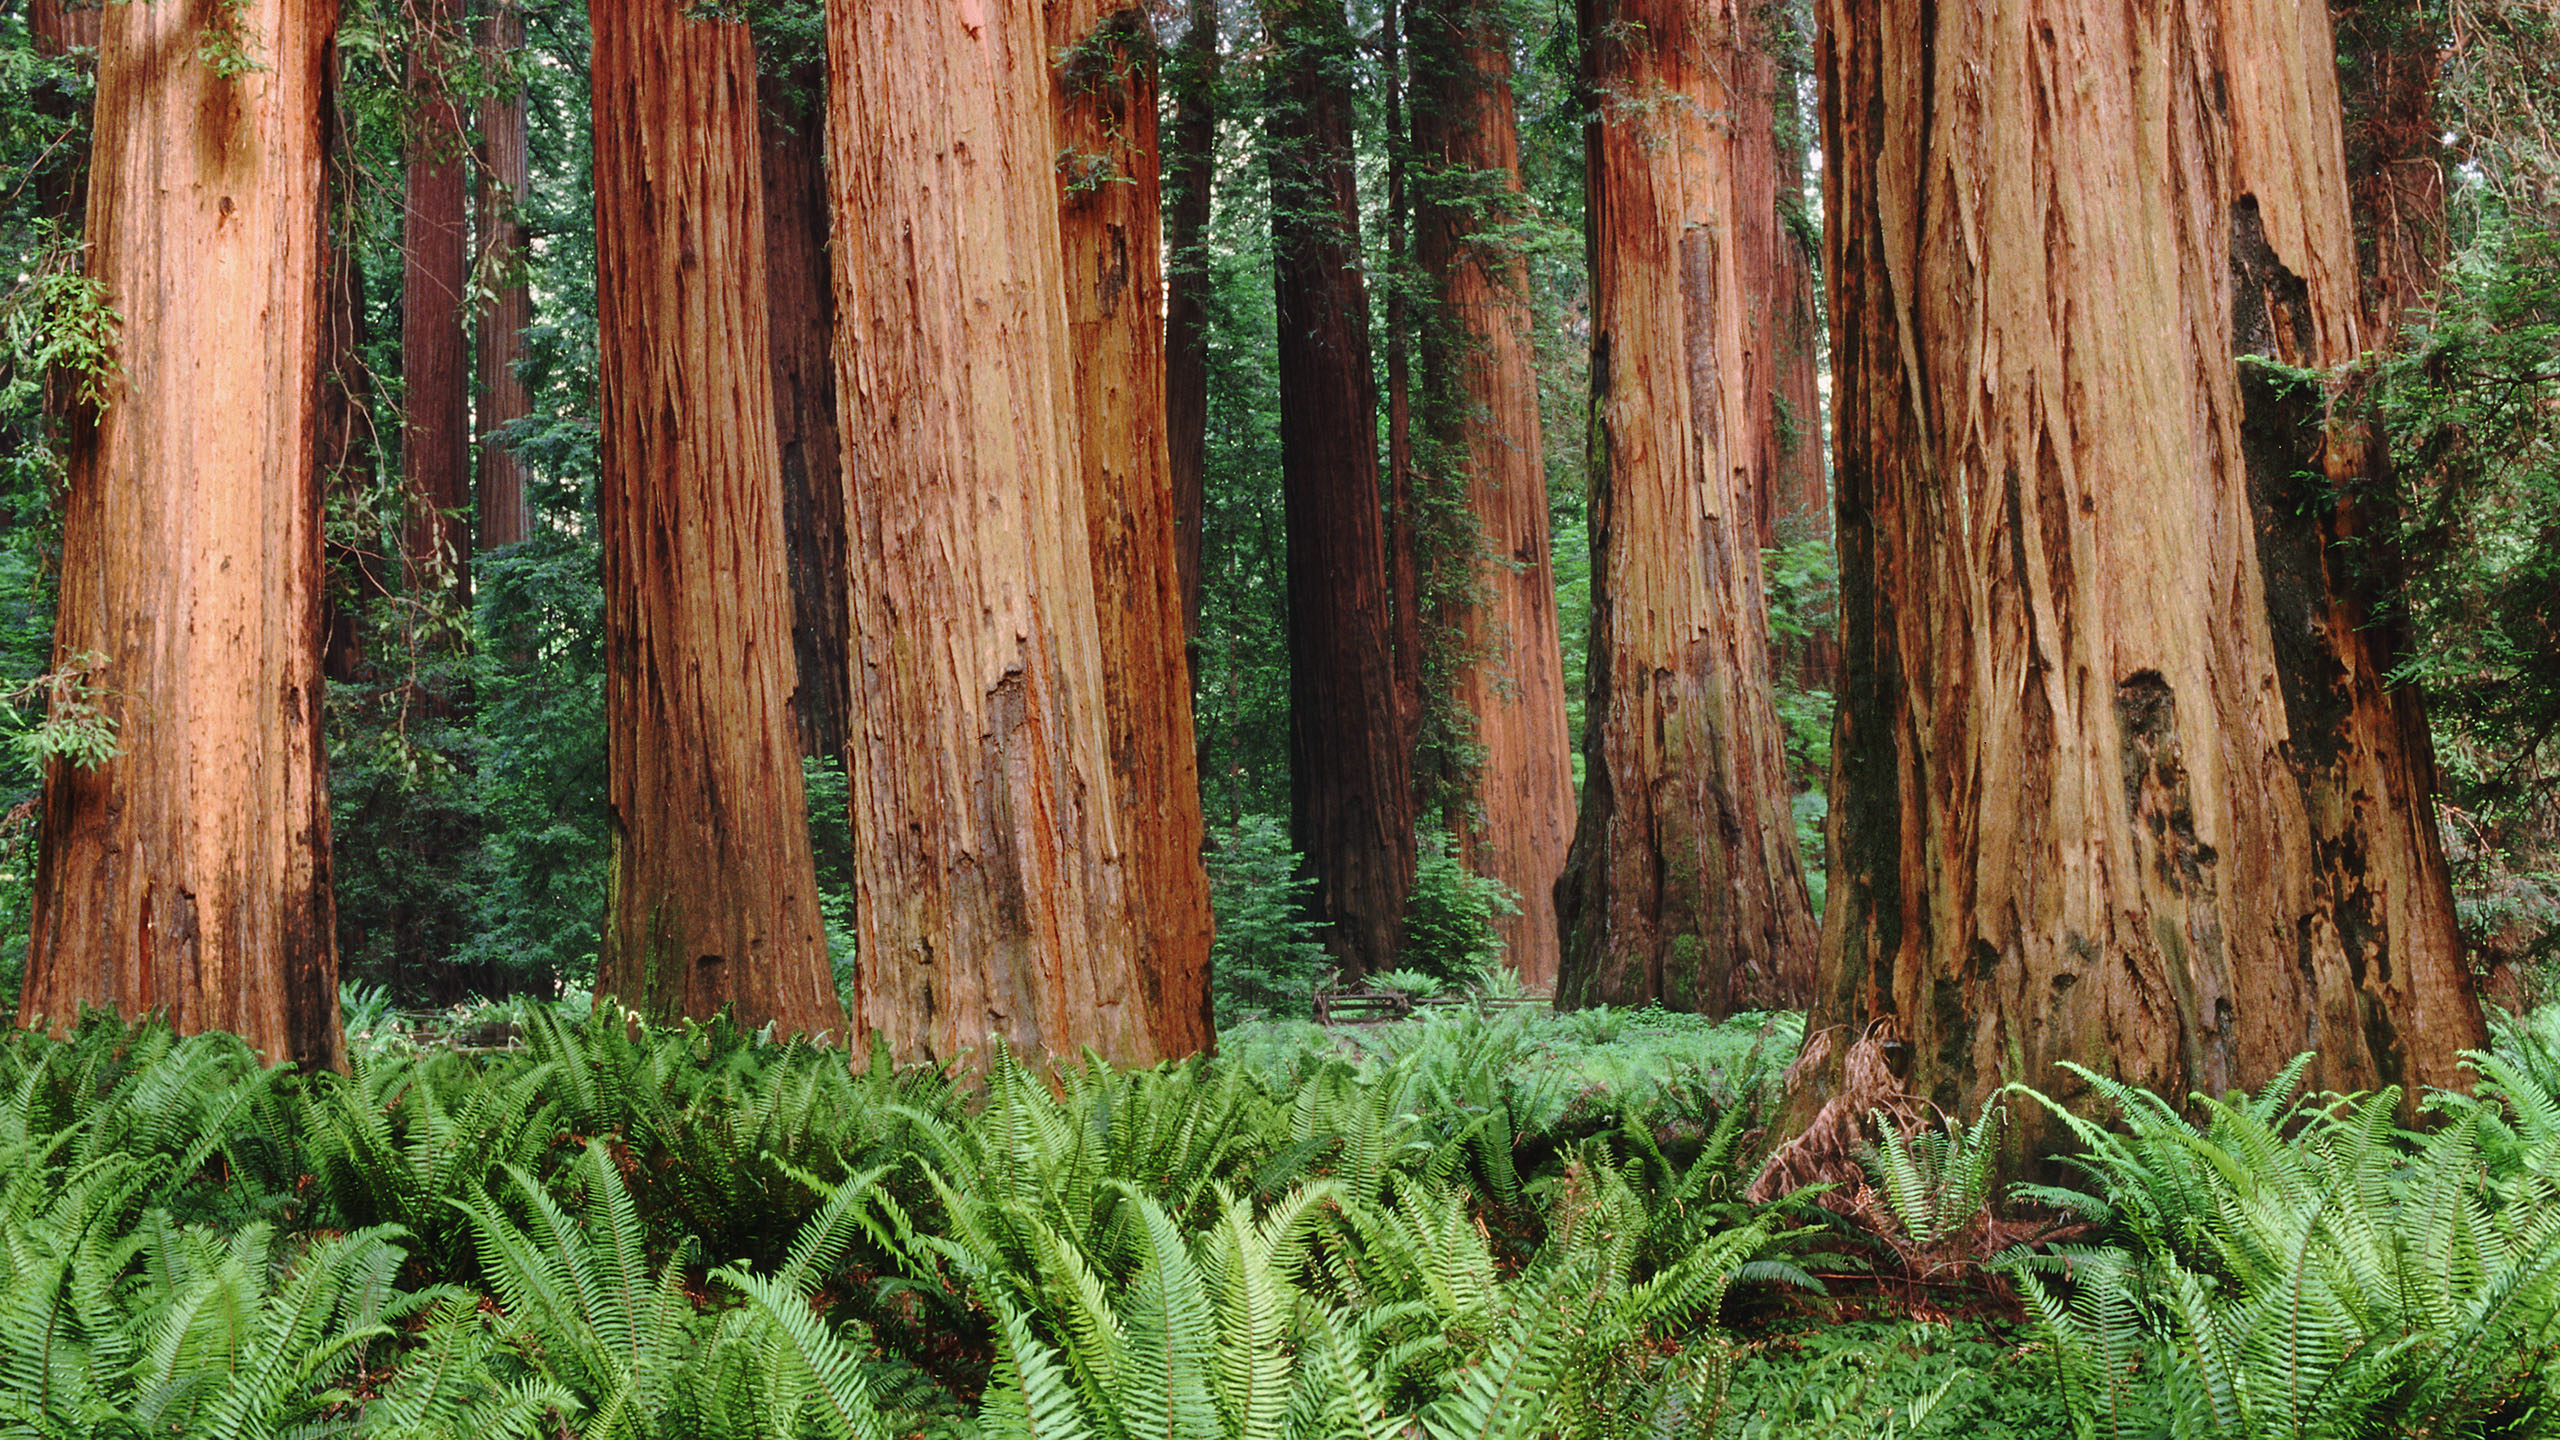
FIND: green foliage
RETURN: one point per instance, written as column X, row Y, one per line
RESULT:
column 2306, row 1270
column 1266, row 960
column 1448, row 919
column 1936, row 1181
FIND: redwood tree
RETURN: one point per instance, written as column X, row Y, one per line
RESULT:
column 1108, row 223
column 189, row 874
column 1350, row 766
column 714, row 896
column 804, row 394
column 435, row 431
column 1683, row 885
column 992, row 870
column 1190, row 166
column 505, row 170
column 2119, row 783
column 1481, row 403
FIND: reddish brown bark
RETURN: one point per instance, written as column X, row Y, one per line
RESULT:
column 1481, row 386
column 1108, row 222
column 1350, row 767
column 2117, row 783
column 1191, row 152
column 435, row 432
column 190, row 874
column 506, row 168
column 804, row 392
column 714, row 894
column 1683, row 885
column 992, row 866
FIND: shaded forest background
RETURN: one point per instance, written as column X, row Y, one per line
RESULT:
column 467, row 763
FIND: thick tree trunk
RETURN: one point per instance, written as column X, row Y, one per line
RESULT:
column 1481, row 387
column 992, row 873
column 190, row 874
column 435, row 432
column 1191, row 162
column 714, row 897
column 506, row 168
column 2108, row 792
column 1683, row 885
column 804, row 392
column 1108, row 222
column 1350, row 762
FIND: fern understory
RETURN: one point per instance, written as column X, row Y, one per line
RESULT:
column 1445, row 1228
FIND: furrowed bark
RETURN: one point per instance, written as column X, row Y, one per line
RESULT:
column 992, row 869
column 1108, row 222
column 2118, row 783
column 435, row 431
column 1350, row 763
column 1683, row 884
column 714, row 896
column 1481, row 385
column 506, row 165
column 189, row 875
column 804, row 389
column 1191, row 155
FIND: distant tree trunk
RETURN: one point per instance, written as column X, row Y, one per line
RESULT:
column 1191, row 162
column 2108, row 792
column 1350, row 766
column 59, row 30
column 506, row 168
column 1404, row 561
column 2391, row 51
column 1683, row 885
column 190, row 874
column 435, row 437
column 714, row 897
column 1783, row 339
column 804, row 392
column 1109, row 223
column 992, row 870
column 1481, row 387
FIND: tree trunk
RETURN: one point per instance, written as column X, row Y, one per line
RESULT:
column 1683, row 885
column 435, row 434
column 2108, row 793
column 1108, row 222
column 1481, row 387
column 1783, row 339
column 60, row 30
column 1350, row 763
column 1191, row 162
column 804, row 390
column 992, row 875
column 1404, row 561
column 506, row 167
column 190, row 873
column 714, row 896
column 2391, row 51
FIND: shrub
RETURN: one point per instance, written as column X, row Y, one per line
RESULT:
column 1448, row 922
column 1266, row 960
